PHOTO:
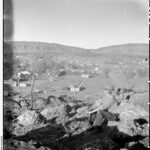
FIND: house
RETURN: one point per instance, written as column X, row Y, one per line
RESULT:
column 24, row 75
column 24, row 84
column 86, row 76
column 74, row 88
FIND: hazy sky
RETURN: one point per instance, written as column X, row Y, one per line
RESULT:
column 82, row 23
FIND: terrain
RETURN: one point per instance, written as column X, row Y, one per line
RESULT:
column 54, row 68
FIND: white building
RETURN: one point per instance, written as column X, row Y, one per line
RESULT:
column 86, row 76
column 23, row 75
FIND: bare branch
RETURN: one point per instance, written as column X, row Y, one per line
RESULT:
column 21, row 94
column 32, row 91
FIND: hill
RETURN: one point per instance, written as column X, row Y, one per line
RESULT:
column 125, row 49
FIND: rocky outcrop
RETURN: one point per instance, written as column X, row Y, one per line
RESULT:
column 29, row 118
column 128, row 112
column 26, row 122
column 57, row 112
column 72, row 116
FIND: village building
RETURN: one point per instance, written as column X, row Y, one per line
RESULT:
column 86, row 76
column 24, row 75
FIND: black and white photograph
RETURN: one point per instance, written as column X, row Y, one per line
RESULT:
column 75, row 75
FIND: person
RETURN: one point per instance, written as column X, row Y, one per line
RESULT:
column 98, row 119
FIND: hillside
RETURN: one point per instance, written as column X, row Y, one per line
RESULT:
column 125, row 49
column 60, row 85
column 42, row 47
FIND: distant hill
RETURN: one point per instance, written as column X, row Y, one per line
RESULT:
column 19, row 46
column 125, row 49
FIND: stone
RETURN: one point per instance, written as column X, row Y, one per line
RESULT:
column 128, row 112
column 29, row 118
column 57, row 112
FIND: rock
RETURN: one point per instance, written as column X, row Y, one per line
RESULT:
column 104, row 102
column 66, row 98
column 29, row 118
column 58, row 112
column 39, row 104
column 82, row 112
column 54, row 101
column 128, row 112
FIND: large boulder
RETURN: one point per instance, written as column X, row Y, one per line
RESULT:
column 128, row 112
column 59, row 113
column 27, row 121
column 29, row 118
column 39, row 104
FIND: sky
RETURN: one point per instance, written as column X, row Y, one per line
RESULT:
column 81, row 23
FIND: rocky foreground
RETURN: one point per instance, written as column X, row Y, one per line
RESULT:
column 61, row 123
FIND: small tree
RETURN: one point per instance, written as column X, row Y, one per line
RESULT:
column 32, row 98
column 22, row 98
